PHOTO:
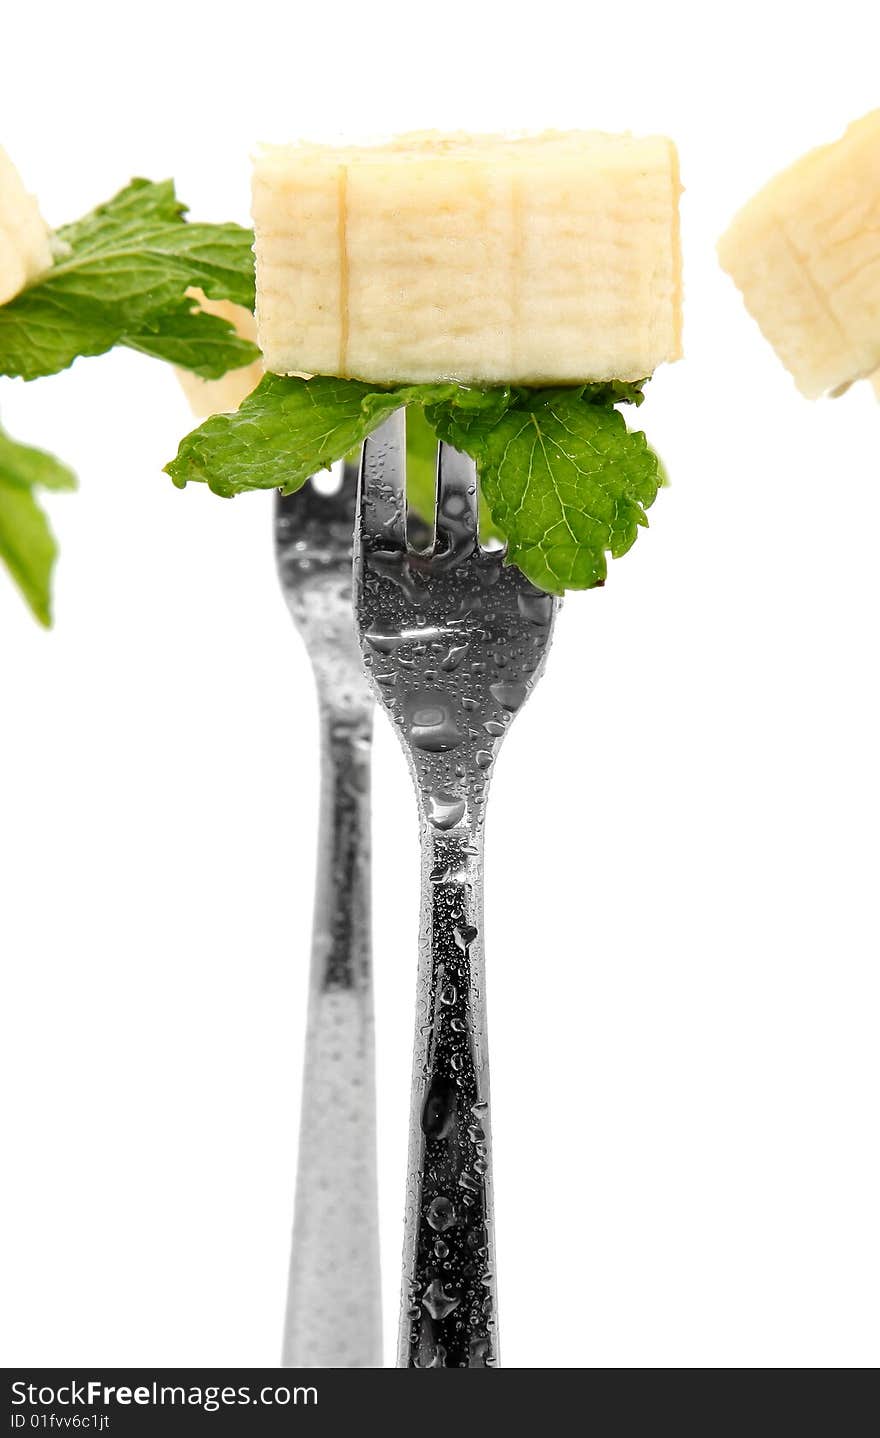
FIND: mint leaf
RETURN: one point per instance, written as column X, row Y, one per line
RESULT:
column 188, row 337
column 564, row 478
column 287, row 430
column 121, row 278
column 27, row 545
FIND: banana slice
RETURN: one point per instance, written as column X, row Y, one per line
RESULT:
column 805, row 252
column 216, row 396
column 476, row 258
column 25, row 249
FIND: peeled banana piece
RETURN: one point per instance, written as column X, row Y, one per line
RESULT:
column 805, row 252
column 25, row 249
column 474, row 258
column 216, row 396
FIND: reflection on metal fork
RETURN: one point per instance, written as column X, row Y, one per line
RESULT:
column 454, row 641
column 334, row 1303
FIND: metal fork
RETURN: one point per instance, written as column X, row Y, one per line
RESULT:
column 453, row 641
column 334, row 1305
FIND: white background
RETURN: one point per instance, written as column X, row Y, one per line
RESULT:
column 682, row 844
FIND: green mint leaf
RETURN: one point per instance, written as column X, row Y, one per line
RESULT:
column 120, row 271
column 287, row 430
column 188, row 337
column 564, row 478
column 27, row 546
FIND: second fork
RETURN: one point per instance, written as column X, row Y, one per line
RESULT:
column 333, row 1305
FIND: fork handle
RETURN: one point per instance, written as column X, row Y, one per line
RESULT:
column 449, row 1296
column 334, row 1305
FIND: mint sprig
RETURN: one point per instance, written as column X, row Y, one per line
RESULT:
column 562, row 478
column 121, row 277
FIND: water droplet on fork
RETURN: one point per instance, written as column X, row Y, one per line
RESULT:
column 509, row 696
column 440, row 1214
column 438, row 1109
column 536, row 608
column 438, row 1302
column 445, row 810
column 432, row 723
column 384, row 641
column 454, row 657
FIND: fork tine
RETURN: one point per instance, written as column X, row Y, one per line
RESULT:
column 381, row 492
column 455, row 524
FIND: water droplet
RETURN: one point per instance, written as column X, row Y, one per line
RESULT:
column 478, row 1109
column 475, row 1133
column 468, row 1182
column 454, row 657
column 465, row 935
column 509, row 696
column 456, row 1063
column 438, row 1359
column 494, row 728
column 387, row 679
column 483, row 757
column 432, row 723
column 458, row 1025
column 438, row 1109
column 478, row 1353
column 440, row 1214
column 441, row 1249
column 385, row 641
column 480, row 1166
column 448, row 994
column 536, row 608
column 438, row 1302
column 445, row 810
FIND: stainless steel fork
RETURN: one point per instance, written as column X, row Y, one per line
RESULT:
column 453, row 641
column 334, row 1305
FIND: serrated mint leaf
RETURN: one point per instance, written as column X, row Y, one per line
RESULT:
column 565, row 480
column 120, row 271
column 285, row 431
column 27, row 546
